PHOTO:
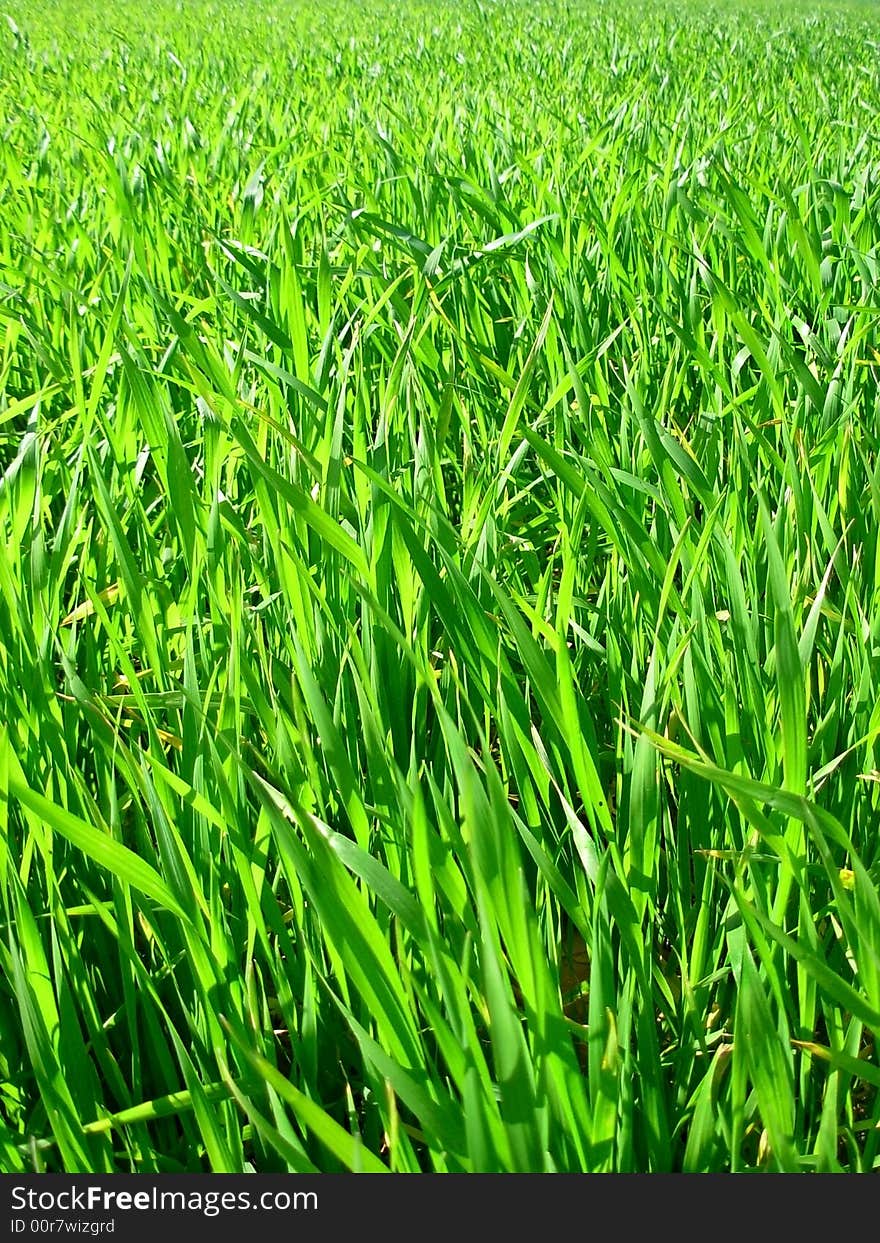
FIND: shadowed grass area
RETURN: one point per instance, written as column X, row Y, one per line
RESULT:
column 439, row 583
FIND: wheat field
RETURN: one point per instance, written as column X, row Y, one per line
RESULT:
column 439, row 586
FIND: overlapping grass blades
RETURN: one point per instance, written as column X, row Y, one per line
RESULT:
column 439, row 501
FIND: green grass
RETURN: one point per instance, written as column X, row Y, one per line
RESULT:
column 439, row 586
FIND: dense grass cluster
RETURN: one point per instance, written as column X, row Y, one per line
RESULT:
column 439, row 586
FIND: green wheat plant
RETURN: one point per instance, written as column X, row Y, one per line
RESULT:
column 439, row 586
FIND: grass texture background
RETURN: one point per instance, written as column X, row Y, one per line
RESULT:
column 439, row 584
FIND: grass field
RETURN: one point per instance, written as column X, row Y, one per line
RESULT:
column 439, row 586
